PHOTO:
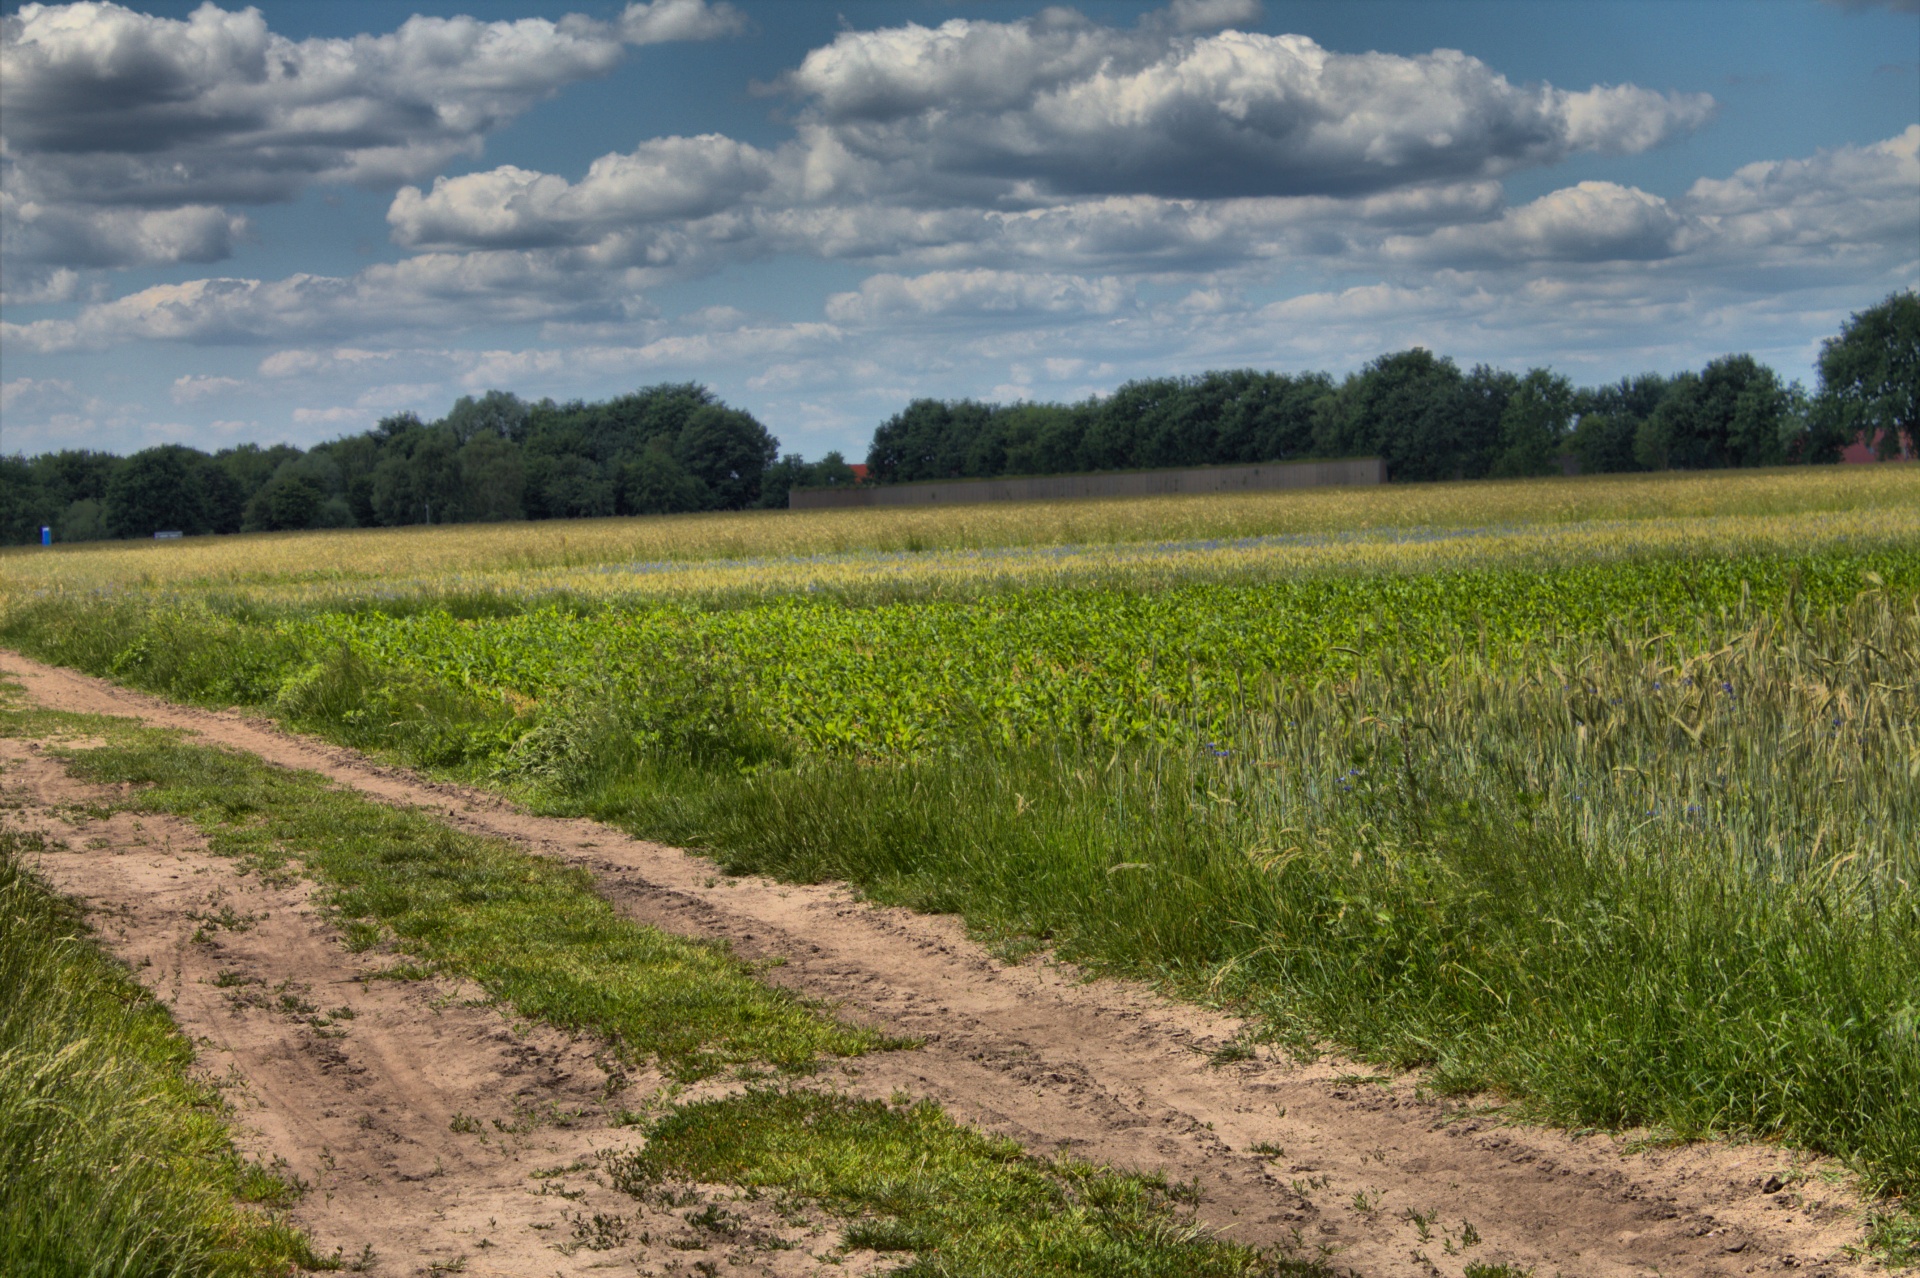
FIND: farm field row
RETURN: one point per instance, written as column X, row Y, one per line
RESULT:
column 1617, row 819
column 783, row 551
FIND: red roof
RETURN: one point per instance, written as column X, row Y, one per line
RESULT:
column 1860, row 450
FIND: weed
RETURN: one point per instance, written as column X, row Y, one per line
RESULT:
column 601, row 1232
column 908, row 1179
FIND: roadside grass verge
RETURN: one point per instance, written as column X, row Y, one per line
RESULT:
column 113, row 1159
column 909, row 1179
column 537, row 937
column 533, row 933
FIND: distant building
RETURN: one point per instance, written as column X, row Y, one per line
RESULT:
column 859, row 470
column 1861, row 450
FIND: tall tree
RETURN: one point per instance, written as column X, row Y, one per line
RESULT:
column 160, row 490
column 1404, row 408
column 1870, row 378
column 1609, row 418
column 1533, row 424
column 1730, row 413
column 727, row 450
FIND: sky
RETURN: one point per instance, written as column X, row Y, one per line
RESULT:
column 283, row 223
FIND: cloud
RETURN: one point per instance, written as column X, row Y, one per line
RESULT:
column 666, row 21
column 27, row 284
column 79, row 236
column 666, row 179
column 1858, row 202
column 977, row 293
column 105, row 108
column 1590, row 222
column 39, row 395
column 1212, row 15
column 1057, row 106
column 436, row 291
column 992, row 145
column 1859, row 195
column 191, row 388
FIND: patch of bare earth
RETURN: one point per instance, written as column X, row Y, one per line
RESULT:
column 1389, row 1181
column 433, row 1133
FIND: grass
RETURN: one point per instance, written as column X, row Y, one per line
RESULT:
column 523, row 557
column 908, row 1178
column 1614, row 896
column 530, row 931
column 1621, row 822
column 114, row 1160
column 911, row 1180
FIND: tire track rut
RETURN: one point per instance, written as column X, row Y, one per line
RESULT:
column 1289, row 1154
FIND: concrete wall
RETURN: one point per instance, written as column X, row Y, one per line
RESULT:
column 1122, row 483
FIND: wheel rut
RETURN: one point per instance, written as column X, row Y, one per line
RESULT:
column 1384, row 1179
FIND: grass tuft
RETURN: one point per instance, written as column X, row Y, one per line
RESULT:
column 532, row 932
column 113, row 1159
column 908, row 1179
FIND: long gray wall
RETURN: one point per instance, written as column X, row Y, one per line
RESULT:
column 1122, row 483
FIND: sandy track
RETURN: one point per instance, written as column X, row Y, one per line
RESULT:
column 1116, row 1074
column 434, row 1134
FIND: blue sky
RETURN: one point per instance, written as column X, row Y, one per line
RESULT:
column 283, row 223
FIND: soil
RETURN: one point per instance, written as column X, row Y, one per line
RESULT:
column 431, row 1123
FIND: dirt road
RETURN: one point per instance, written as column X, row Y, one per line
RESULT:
column 1304, row 1155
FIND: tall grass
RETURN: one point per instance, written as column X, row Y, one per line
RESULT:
column 1626, row 881
column 113, row 1160
column 566, row 553
column 1658, row 869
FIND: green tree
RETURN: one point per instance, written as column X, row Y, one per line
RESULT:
column 1533, row 424
column 1728, row 414
column 568, row 486
column 24, row 504
column 1418, row 413
column 1044, row 439
column 497, row 412
column 493, row 479
column 418, row 478
column 655, row 483
column 83, row 520
column 74, row 475
column 727, row 450
column 292, row 503
column 1610, row 418
column 252, row 466
column 160, row 490
column 919, row 442
column 1870, row 379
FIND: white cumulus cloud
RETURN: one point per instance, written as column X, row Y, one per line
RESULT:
column 977, row 292
column 666, row 179
column 123, row 132
column 1056, row 105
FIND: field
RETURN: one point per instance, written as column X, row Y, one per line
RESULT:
column 1598, row 796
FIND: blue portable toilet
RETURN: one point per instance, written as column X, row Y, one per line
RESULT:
column 46, row 535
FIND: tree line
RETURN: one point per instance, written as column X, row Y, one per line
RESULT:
column 1428, row 419
column 661, row 450
column 676, row 447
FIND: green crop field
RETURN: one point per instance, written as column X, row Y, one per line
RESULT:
column 1603, row 794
